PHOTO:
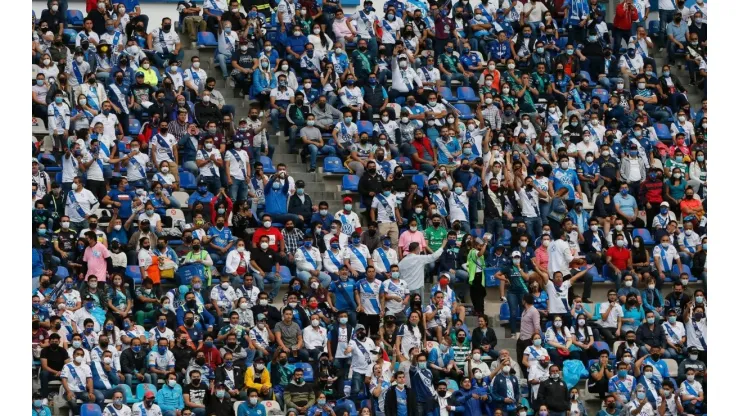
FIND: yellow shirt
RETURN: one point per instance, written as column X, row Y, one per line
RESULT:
column 150, row 76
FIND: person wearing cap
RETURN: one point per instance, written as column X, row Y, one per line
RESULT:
column 693, row 362
column 238, row 170
column 257, row 378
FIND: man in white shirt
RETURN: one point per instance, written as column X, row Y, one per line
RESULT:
column 459, row 205
column 384, row 210
column 136, row 162
column 412, row 266
column 209, row 162
column 362, row 364
column 345, row 133
column 349, row 220
column 166, row 44
column 333, row 257
column 384, row 257
column 78, row 382
column 194, row 77
column 429, row 75
column 227, row 43
column 87, row 35
column 164, row 148
column 94, row 92
column 315, row 338
column 309, row 263
column 111, row 126
column 394, row 295
column 405, row 80
column 357, row 257
column 59, row 119
column 351, row 95
column 610, row 314
column 80, row 204
column 560, row 255
column 238, row 170
column 367, row 22
column 664, row 254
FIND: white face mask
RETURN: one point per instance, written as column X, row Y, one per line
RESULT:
column 264, row 246
column 651, row 286
column 117, row 227
column 636, row 244
column 505, row 90
column 546, row 243
column 627, row 283
column 619, row 227
column 385, row 119
column 620, row 243
column 489, row 101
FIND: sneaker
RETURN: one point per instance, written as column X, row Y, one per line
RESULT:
column 193, row 45
column 312, row 170
column 503, row 300
column 232, row 84
column 661, row 49
column 166, row 63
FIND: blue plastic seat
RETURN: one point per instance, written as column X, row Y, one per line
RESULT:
column 333, row 165
column 477, row 232
column 47, row 159
column 128, row 395
column 684, row 269
column 284, row 272
column 350, row 183
column 206, row 40
column 62, row 272
column 267, row 165
column 601, row 93
column 586, row 75
column 662, row 131
column 400, row 100
column 561, row 42
column 645, row 234
column 90, row 409
column 467, row 94
column 504, row 312
column 465, row 112
column 420, row 181
column 507, row 237
column 134, row 273
column 594, row 273
column 134, row 126
column 142, row 388
column 75, row 17
column 122, row 148
column 447, row 94
column 58, row 177
column 187, row 180
column 69, row 36
column 405, row 163
column 346, row 404
column 364, row 126
column 307, row 369
column 601, row 345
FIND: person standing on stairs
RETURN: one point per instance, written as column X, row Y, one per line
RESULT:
column 227, row 44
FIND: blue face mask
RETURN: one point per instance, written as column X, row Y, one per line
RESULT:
column 386, row 193
column 209, row 344
column 202, row 189
column 297, row 287
column 37, row 404
column 355, row 241
column 162, row 323
column 704, row 246
column 387, row 243
column 89, row 305
column 126, row 325
column 622, row 373
column 109, row 327
column 39, row 82
column 300, row 191
column 136, row 348
column 58, row 100
column 348, row 120
column 309, row 53
column 276, row 185
column 466, row 50
column 664, row 210
column 605, row 193
column 373, row 81
column 334, row 246
column 307, row 244
column 569, row 51
column 624, row 191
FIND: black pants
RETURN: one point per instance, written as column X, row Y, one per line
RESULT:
column 370, row 322
column 608, row 334
column 478, row 293
column 97, row 188
column 588, row 281
column 521, row 345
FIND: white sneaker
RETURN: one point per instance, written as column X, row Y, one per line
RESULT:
column 503, row 300
column 232, row 84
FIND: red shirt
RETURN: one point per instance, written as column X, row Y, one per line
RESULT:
column 623, row 19
column 423, row 150
column 619, row 256
column 273, row 233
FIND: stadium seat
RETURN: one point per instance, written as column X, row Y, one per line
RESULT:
column 307, row 370
column 346, row 405
column 175, row 214
column 364, row 126
column 601, row 93
column 420, row 181
column 236, row 406
column 272, row 407
column 90, row 409
column 684, row 269
column 431, row 345
column 333, row 165
column 672, row 367
column 477, row 232
column 142, row 388
column 69, row 36
column 662, row 131
column 465, row 112
column 601, row 346
column 561, row 42
column 447, row 94
column 350, row 183
column 467, row 94
column 134, row 273
column 128, row 396
column 48, row 160
column 504, row 313
column 507, row 237
column 267, row 165
column 405, row 163
column 594, row 273
column 452, row 384
column 645, row 234
column 75, row 17
column 587, row 75
column 180, row 196
column 206, row 40
column 187, row 181
column 123, row 148
column 134, row 126
column 62, row 272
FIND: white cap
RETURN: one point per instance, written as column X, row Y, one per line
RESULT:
column 516, row 254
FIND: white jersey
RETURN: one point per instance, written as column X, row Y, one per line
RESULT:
column 136, row 169
column 328, row 260
column 361, row 359
column 399, row 289
column 386, row 208
column 237, row 167
column 390, row 254
column 165, row 147
column 458, row 207
column 76, row 376
column 227, row 42
column 369, row 295
column 558, row 297
column 358, row 256
column 140, row 410
column 350, row 222
column 308, row 259
column 224, row 298
column 109, row 410
column 79, row 205
column 209, row 169
column 440, row 316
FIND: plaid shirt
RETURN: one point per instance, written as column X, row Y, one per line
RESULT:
column 293, row 239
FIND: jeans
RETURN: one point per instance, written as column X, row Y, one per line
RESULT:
column 534, row 226
column 159, row 57
column 275, row 119
column 472, row 207
column 342, row 365
column 545, row 208
column 75, row 408
column 358, row 385
column 454, row 76
column 494, row 226
column 270, row 277
column 314, row 151
column 238, row 190
column 620, row 34
column 324, row 279
column 515, row 308
column 666, row 16
column 213, row 183
column 223, row 62
column 672, row 50
column 44, row 378
column 292, row 134
column 617, row 277
column 129, row 378
column 257, row 151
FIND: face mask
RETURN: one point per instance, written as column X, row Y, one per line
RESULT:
column 264, row 246
column 79, row 359
column 537, row 342
column 343, row 320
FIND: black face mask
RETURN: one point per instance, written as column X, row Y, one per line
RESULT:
column 184, row 342
column 372, row 233
column 200, row 361
column 655, row 357
column 103, row 344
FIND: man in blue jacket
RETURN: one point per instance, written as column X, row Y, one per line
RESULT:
column 505, row 391
column 169, row 397
column 276, row 200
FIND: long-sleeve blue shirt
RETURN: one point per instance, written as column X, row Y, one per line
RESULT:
column 276, row 201
column 170, row 398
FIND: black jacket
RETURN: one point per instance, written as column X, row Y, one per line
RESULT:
column 653, row 337
column 554, row 395
column 219, row 407
column 391, row 402
column 205, row 113
column 488, row 339
column 271, row 313
column 131, row 361
column 304, row 209
column 221, row 376
column 370, row 183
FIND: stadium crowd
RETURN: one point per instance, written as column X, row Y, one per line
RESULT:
column 530, row 146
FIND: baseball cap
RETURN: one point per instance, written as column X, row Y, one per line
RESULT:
column 261, row 317
column 693, row 349
column 34, row 160
column 516, row 254
column 359, row 327
column 149, row 394
column 347, row 199
column 665, row 204
column 145, row 221
column 578, row 201
column 444, row 274
column 139, row 75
